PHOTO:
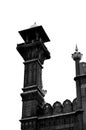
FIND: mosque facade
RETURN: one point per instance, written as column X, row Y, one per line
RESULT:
column 36, row 114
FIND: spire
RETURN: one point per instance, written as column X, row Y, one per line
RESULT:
column 76, row 49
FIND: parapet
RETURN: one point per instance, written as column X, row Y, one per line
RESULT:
column 59, row 108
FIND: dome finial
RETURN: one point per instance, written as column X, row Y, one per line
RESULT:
column 34, row 25
column 76, row 55
column 76, row 49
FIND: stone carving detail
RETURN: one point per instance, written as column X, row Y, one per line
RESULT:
column 59, row 122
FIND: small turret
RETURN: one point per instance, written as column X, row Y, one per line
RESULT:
column 77, row 57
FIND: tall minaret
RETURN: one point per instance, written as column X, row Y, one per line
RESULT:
column 34, row 52
column 77, row 57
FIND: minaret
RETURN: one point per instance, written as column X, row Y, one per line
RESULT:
column 34, row 52
column 79, row 112
column 77, row 57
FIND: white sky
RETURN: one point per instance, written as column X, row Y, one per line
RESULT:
column 65, row 23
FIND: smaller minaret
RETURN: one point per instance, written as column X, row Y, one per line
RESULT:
column 77, row 57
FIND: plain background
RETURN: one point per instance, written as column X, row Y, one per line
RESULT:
column 65, row 23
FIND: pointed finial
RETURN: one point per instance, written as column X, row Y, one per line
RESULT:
column 34, row 25
column 76, row 49
column 76, row 55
